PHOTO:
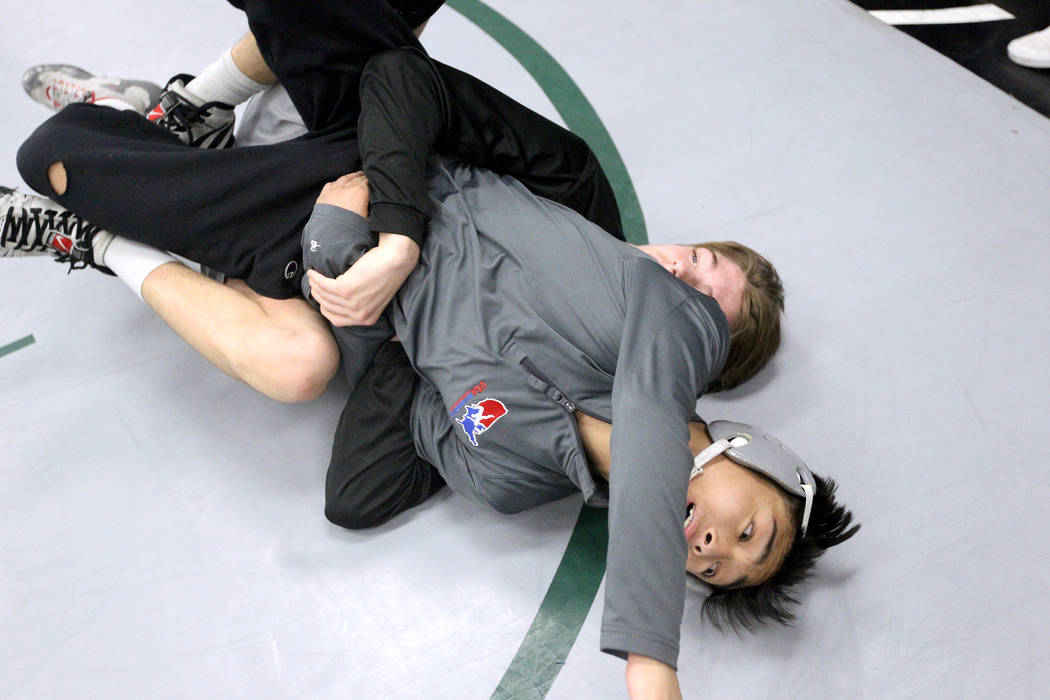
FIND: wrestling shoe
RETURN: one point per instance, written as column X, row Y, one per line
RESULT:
column 32, row 225
column 197, row 123
column 56, row 85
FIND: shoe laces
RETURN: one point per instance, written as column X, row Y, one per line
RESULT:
column 33, row 228
column 23, row 228
column 75, row 263
column 81, row 255
column 183, row 117
column 183, row 114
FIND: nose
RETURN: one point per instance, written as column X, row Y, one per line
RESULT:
column 707, row 543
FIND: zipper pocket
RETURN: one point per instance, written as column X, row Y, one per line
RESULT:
column 553, row 392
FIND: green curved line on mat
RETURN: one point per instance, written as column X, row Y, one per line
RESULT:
column 561, row 615
column 17, row 345
column 570, row 102
column 571, row 593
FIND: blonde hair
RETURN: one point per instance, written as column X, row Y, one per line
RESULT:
column 755, row 335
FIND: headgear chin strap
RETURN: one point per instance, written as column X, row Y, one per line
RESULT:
column 711, row 451
column 759, row 451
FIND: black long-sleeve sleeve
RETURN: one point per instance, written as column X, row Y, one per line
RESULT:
column 412, row 106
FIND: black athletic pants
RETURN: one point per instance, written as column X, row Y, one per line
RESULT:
column 375, row 472
column 240, row 210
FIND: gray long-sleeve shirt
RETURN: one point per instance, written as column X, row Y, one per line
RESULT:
column 520, row 313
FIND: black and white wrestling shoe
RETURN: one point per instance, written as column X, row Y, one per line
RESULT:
column 33, row 225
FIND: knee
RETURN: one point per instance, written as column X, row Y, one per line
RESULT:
column 312, row 361
column 36, row 161
column 56, row 176
column 301, row 385
column 341, row 516
column 354, row 514
column 352, row 497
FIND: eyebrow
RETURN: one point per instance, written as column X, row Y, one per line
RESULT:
column 769, row 545
column 742, row 581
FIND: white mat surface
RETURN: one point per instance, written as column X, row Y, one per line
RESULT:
column 161, row 532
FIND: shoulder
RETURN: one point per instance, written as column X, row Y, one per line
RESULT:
column 652, row 288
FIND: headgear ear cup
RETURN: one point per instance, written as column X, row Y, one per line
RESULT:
column 759, row 451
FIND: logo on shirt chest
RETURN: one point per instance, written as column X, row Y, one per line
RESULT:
column 477, row 417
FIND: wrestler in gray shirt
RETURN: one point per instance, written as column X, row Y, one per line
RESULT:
column 523, row 311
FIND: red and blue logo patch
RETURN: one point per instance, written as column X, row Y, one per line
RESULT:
column 477, row 417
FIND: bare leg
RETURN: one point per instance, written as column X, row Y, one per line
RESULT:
column 56, row 174
column 280, row 347
column 247, row 57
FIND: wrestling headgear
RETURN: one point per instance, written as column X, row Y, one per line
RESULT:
column 759, row 451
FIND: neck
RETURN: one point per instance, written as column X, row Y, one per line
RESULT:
column 596, row 436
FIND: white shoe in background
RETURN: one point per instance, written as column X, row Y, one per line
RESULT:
column 1032, row 50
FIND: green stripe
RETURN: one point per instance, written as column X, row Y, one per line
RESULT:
column 564, row 609
column 17, row 345
column 557, row 624
column 570, row 102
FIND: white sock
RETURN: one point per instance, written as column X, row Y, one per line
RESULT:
column 132, row 262
column 223, row 81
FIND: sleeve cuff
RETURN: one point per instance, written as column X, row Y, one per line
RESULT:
column 621, row 643
column 397, row 218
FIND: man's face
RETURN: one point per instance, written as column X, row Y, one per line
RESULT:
column 705, row 271
column 738, row 526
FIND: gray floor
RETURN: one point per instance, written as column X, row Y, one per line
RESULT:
column 161, row 531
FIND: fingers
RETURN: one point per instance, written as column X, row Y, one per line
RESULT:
column 340, row 320
column 331, row 299
column 351, row 178
column 349, row 192
column 336, row 311
column 325, row 289
column 335, row 307
column 340, row 317
column 319, row 280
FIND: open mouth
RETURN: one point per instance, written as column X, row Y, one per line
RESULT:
column 690, row 511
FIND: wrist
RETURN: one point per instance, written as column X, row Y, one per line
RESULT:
column 648, row 678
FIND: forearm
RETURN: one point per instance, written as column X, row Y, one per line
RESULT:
column 645, row 575
column 412, row 107
column 649, row 679
column 672, row 344
column 402, row 115
column 488, row 128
